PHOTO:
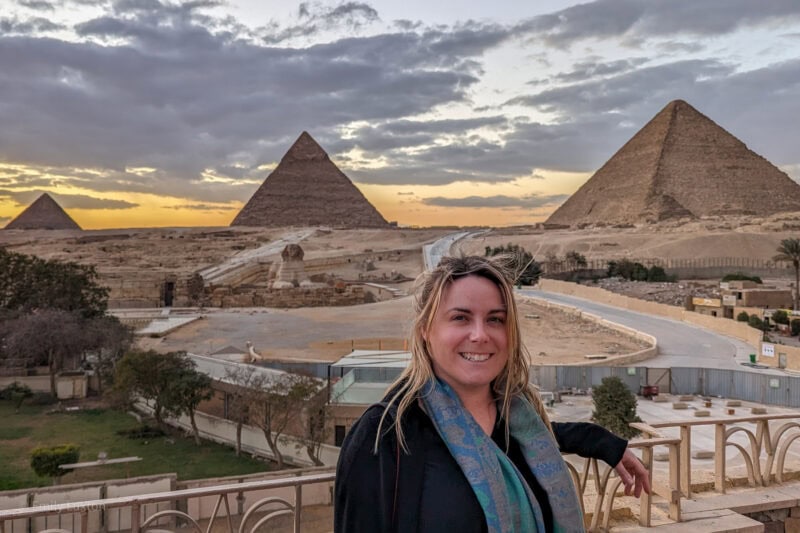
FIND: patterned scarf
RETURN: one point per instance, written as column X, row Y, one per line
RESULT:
column 508, row 503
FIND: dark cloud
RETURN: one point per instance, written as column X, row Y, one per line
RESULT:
column 584, row 70
column 67, row 201
column 37, row 5
column 644, row 19
column 315, row 17
column 525, row 202
column 14, row 26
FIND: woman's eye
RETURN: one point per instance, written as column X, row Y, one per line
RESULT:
column 457, row 318
column 497, row 320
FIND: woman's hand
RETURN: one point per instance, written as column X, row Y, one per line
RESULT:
column 633, row 474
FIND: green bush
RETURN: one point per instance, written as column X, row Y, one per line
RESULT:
column 780, row 317
column 794, row 326
column 45, row 460
column 743, row 316
column 142, row 432
column 17, row 393
column 42, row 398
column 741, row 276
column 756, row 322
column 615, row 407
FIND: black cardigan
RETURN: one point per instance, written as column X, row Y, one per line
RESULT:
column 431, row 494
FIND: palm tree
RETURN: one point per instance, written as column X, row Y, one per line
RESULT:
column 789, row 250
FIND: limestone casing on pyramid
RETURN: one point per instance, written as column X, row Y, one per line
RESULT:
column 307, row 189
column 43, row 213
column 681, row 164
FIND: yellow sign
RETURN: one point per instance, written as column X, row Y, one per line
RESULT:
column 708, row 302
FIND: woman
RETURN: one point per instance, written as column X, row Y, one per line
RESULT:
column 461, row 442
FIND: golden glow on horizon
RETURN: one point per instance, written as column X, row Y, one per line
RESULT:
column 401, row 203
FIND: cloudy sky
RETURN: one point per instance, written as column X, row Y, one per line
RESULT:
column 153, row 113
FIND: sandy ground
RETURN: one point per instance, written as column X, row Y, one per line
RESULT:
column 327, row 334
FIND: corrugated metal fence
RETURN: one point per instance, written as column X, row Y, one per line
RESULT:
column 733, row 384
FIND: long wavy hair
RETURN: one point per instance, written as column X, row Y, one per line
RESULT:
column 430, row 286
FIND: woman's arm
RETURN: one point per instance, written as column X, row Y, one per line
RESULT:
column 591, row 440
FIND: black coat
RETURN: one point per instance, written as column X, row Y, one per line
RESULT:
column 428, row 492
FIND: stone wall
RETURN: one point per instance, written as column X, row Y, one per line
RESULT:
column 290, row 298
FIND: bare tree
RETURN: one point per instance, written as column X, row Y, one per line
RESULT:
column 789, row 251
column 51, row 337
column 243, row 394
column 281, row 400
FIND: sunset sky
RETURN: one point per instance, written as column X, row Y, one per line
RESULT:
column 136, row 113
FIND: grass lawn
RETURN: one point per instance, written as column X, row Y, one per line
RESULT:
column 95, row 430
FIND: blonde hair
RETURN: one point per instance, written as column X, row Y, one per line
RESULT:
column 430, row 287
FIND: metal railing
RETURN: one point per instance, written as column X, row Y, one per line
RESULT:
column 144, row 523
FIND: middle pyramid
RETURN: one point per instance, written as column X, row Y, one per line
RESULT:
column 308, row 189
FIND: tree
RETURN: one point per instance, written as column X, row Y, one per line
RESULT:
column 46, row 461
column 17, row 393
column 575, row 259
column 28, row 283
column 615, row 407
column 242, row 395
column 189, row 389
column 742, row 316
column 108, row 340
column 789, row 251
column 52, row 337
column 316, row 427
column 779, row 316
column 153, row 377
column 280, row 400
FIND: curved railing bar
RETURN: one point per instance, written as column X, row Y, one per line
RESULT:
column 753, row 461
column 259, row 504
column 171, row 512
column 270, row 516
column 782, row 457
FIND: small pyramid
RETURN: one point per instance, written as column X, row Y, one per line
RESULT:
column 307, row 189
column 681, row 164
column 44, row 213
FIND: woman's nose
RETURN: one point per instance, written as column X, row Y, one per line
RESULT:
column 478, row 332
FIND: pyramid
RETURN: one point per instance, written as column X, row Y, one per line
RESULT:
column 307, row 189
column 679, row 165
column 44, row 213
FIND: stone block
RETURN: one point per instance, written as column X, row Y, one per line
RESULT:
column 795, row 512
column 686, row 398
column 792, row 524
column 661, row 457
column 679, row 405
column 758, row 410
column 702, row 412
column 733, row 403
column 660, row 399
column 702, row 454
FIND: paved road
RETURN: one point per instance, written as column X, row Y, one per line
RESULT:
column 680, row 344
column 433, row 253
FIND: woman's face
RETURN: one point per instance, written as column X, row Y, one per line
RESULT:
column 467, row 338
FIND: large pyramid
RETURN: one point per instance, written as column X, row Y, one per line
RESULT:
column 307, row 189
column 44, row 213
column 680, row 164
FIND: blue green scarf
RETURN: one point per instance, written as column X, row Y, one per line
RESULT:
column 508, row 503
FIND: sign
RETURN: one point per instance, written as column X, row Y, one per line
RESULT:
column 729, row 300
column 774, row 383
column 767, row 350
column 708, row 302
column 724, row 285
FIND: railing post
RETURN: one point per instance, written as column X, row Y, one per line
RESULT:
column 135, row 518
column 85, row 521
column 719, row 458
column 686, row 460
column 675, row 464
column 645, row 502
column 298, row 503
